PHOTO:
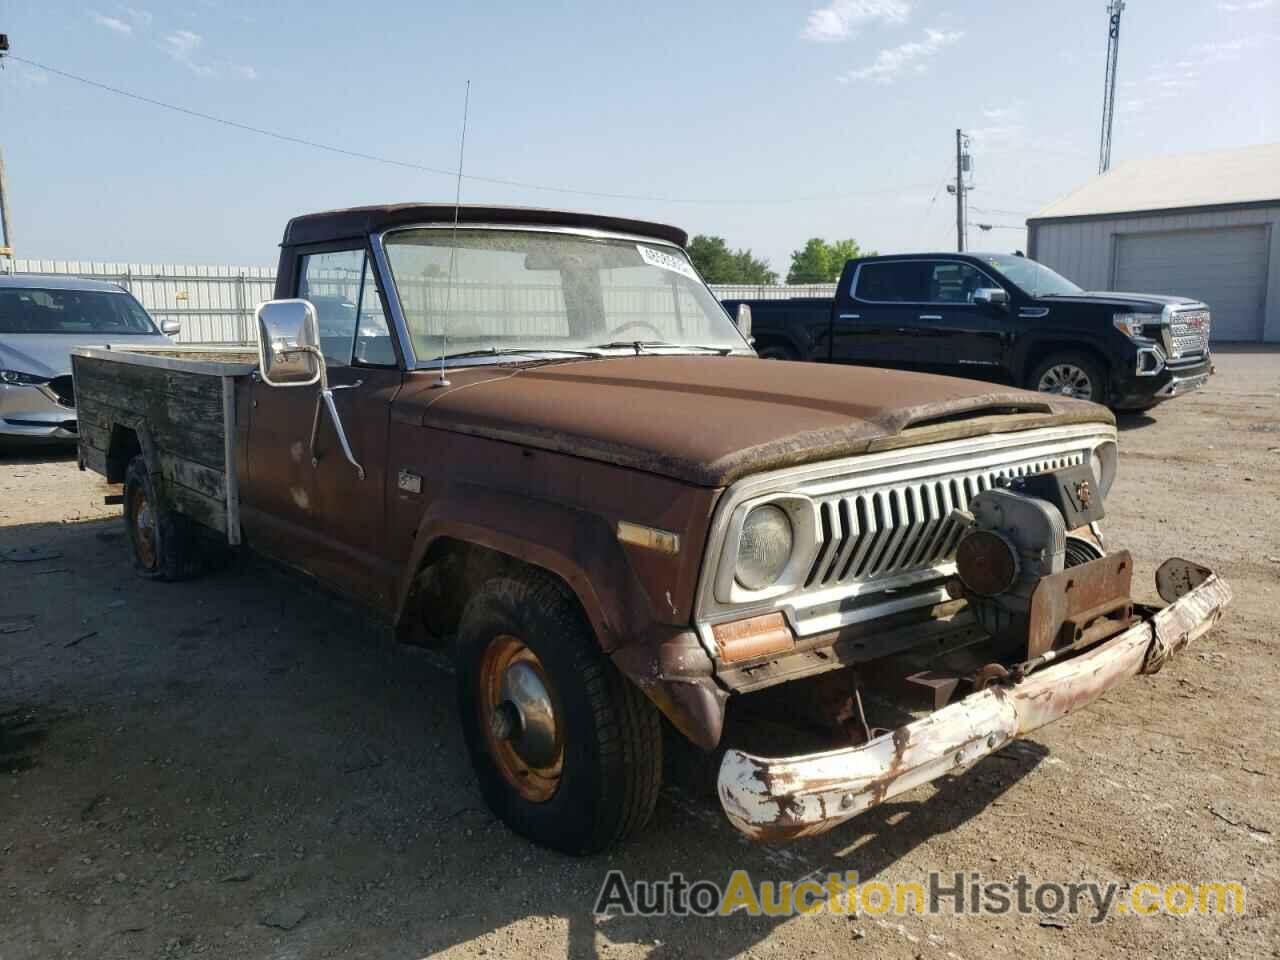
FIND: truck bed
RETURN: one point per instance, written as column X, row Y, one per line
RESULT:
column 177, row 407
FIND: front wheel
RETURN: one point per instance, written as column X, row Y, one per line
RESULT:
column 1069, row 375
column 567, row 752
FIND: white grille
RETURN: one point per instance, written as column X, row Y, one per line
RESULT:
column 1188, row 333
column 900, row 528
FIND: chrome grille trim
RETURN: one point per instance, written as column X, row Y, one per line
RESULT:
column 874, row 531
column 900, row 528
column 1188, row 332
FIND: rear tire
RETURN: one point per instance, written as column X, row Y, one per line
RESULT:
column 163, row 543
column 579, row 769
column 1070, row 374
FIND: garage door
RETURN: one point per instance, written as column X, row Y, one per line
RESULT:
column 1225, row 267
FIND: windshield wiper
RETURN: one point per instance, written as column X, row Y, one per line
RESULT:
column 513, row 351
column 639, row 346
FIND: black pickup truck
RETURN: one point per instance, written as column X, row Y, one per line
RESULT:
column 997, row 317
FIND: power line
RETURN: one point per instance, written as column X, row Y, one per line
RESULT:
column 1011, row 213
column 439, row 171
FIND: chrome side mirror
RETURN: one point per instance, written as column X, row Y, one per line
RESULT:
column 743, row 320
column 289, row 343
column 171, row 327
column 289, row 355
column 991, row 297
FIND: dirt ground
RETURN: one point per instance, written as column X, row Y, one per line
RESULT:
column 239, row 766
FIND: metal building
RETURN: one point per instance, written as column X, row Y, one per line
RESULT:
column 1203, row 225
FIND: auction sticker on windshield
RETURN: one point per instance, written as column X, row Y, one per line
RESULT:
column 666, row 261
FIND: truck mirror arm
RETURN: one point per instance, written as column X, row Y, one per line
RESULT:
column 325, row 397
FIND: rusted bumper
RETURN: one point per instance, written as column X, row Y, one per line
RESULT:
column 783, row 798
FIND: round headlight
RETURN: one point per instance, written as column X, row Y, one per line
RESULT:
column 1103, row 461
column 764, row 547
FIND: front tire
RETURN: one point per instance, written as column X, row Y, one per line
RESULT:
column 567, row 752
column 1069, row 374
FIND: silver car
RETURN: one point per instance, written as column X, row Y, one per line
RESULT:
column 41, row 319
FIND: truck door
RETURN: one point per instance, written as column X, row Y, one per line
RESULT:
column 949, row 332
column 872, row 317
column 322, row 517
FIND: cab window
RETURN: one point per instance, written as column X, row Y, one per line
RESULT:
column 341, row 285
column 892, row 282
column 952, row 282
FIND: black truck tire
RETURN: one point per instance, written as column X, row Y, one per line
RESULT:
column 777, row 351
column 567, row 752
column 1072, row 371
column 163, row 543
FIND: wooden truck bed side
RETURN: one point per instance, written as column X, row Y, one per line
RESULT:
column 180, row 404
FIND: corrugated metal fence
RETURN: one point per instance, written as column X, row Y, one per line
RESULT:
column 216, row 303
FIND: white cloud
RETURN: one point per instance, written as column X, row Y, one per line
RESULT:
column 891, row 62
column 183, row 45
column 140, row 17
column 113, row 24
column 243, row 70
column 1227, row 7
column 839, row 18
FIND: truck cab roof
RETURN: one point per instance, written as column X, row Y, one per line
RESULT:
column 353, row 222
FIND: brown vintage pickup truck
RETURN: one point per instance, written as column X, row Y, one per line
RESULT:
column 537, row 438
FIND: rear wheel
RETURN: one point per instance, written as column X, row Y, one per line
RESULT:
column 163, row 543
column 567, row 752
column 1074, row 375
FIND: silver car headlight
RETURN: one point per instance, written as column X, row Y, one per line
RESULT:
column 764, row 547
column 1103, row 461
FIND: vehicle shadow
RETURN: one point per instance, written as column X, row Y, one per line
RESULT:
column 1133, row 421
column 36, row 453
column 277, row 737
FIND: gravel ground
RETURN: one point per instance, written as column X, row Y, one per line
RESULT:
column 240, row 766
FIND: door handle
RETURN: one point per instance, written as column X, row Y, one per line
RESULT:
column 850, row 316
column 930, row 316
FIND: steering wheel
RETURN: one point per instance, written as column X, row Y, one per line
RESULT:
column 657, row 334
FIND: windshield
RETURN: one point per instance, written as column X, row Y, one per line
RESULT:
column 1034, row 278
column 39, row 310
column 525, row 290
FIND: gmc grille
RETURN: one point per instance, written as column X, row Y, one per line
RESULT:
column 1188, row 334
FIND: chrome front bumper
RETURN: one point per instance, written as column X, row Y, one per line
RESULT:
column 773, row 799
column 32, row 412
column 1177, row 386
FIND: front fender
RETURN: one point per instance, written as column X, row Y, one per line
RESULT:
column 578, row 546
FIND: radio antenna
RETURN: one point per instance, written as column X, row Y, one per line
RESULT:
column 442, row 380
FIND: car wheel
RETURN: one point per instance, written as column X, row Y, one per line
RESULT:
column 162, row 542
column 776, row 351
column 567, row 752
column 1069, row 375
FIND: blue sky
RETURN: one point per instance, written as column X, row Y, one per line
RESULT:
column 764, row 123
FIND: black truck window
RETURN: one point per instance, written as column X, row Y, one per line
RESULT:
column 893, row 282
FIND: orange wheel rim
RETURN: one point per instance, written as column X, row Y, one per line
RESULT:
column 143, row 527
column 520, row 719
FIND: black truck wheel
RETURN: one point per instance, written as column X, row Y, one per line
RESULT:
column 163, row 544
column 777, row 351
column 1070, row 374
column 567, row 752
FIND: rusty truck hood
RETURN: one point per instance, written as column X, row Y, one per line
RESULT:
column 709, row 420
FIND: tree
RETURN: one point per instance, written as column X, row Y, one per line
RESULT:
column 821, row 262
column 718, row 264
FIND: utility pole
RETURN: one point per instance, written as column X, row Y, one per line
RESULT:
column 1114, row 9
column 6, row 236
column 961, row 164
